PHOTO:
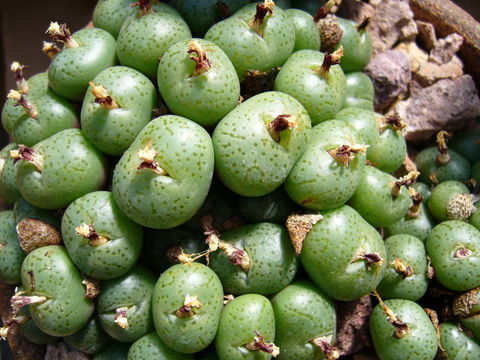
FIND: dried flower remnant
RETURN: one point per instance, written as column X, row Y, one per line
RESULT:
column 401, row 328
column 20, row 80
column 20, row 100
column 371, row 259
column 402, row 268
column 346, row 153
column 298, row 226
column 147, row 155
column 28, row 154
column 89, row 232
column 61, row 33
column 462, row 253
column 199, row 56
column 442, row 140
column 18, row 301
column 263, row 11
column 102, row 97
column 259, row 344
column 280, row 124
column 407, row 180
column 50, row 49
column 120, row 317
column 417, row 199
column 145, row 6
column 329, row 351
column 188, row 308
column 329, row 60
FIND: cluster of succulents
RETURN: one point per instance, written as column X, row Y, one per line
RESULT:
column 164, row 210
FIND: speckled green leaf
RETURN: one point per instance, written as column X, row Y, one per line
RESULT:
column 307, row 35
column 458, row 168
column 206, row 97
column 115, row 351
column 8, row 176
column 457, row 344
column 72, row 167
column 150, row 347
column 273, row 263
column 389, row 151
column 62, row 285
column 332, row 254
column 196, row 331
column 247, row 49
column 134, row 291
column 360, row 91
column 109, row 15
column 122, row 249
column 113, row 130
column 419, row 226
column 441, row 196
column 91, row 339
column 320, row 182
column 143, row 39
column 357, row 46
column 322, row 95
column 184, row 150
column 240, row 320
column 411, row 251
column 11, row 254
column 363, row 121
column 302, row 313
column 24, row 210
column 454, row 247
column 72, row 68
column 419, row 343
column 374, row 201
column 247, row 158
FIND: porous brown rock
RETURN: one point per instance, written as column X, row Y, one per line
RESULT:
column 426, row 34
column 446, row 48
column 391, row 74
column 352, row 325
column 393, row 22
column 448, row 104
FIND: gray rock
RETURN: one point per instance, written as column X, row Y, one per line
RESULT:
column 448, row 104
column 391, row 75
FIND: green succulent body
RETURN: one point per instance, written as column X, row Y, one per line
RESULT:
column 466, row 143
column 144, row 38
column 456, row 344
column 306, row 31
column 241, row 319
column 333, row 254
column 159, row 243
column 72, row 68
column 134, row 292
column 418, row 226
column 61, row 285
column 360, row 91
column 251, row 50
column 201, row 15
column 204, row 96
column 475, row 218
column 123, row 242
column 115, row 351
column 458, row 168
column 91, row 339
column 274, row 207
column 419, row 343
column 398, row 283
column 322, row 94
column 109, row 15
column 32, row 333
column 24, row 210
column 373, row 198
column 424, row 190
column 72, row 167
column 11, row 254
column 113, row 130
column 150, row 347
column 441, row 197
column 182, row 330
column 248, row 159
column 8, row 176
column 454, row 247
column 166, row 198
column 363, row 121
column 357, row 46
column 273, row 263
column 302, row 313
column 318, row 180
column 389, row 151
column 475, row 173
